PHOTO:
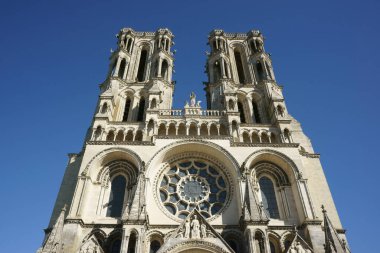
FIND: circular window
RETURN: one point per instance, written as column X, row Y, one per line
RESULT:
column 190, row 184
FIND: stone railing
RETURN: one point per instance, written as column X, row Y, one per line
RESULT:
column 171, row 112
column 191, row 111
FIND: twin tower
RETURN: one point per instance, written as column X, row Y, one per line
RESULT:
column 237, row 176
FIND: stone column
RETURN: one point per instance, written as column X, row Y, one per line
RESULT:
column 223, row 69
column 124, row 241
column 159, row 67
column 117, row 66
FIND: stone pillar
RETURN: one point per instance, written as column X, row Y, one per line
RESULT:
column 124, row 241
column 117, row 66
column 223, row 69
column 159, row 67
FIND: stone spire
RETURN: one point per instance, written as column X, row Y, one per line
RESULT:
column 252, row 208
column 53, row 243
column 333, row 243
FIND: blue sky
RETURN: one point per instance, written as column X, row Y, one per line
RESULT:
column 53, row 55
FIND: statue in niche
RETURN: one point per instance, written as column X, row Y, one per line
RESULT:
column 292, row 249
column 299, row 248
column 192, row 99
column 195, row 233
column 259, row 45
column 187, row 229
column 203, row 230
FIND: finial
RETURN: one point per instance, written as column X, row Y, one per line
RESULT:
column 64, row 208
column 323, row 209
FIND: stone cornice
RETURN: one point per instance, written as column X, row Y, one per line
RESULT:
column 131, row 143
column 309, row 155
column 276, row 145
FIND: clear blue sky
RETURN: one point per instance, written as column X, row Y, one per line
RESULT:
column 53, row 55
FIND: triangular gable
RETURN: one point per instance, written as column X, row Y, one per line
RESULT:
column 195, row 228
column 299, row 245
column 333, row 243
column 53, row 241
column 90, row 244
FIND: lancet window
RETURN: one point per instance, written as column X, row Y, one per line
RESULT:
column 142, row 65
column 116, row 199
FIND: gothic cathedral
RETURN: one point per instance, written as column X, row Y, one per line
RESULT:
column 237, row 176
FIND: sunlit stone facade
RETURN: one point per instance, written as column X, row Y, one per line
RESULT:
column 237, row 176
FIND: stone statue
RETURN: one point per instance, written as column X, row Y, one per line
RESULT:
column 292, row 249
column 299, row 248
column 259, row 45
column 192, row 99
column 203, row 230
column 195, row 233
column 187, row 229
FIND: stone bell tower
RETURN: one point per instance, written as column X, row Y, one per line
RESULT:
column 240, row 176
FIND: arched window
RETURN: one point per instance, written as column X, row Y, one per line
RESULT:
column 140, row 115
column 150, row 128
column 116, row 246
column 256, row 112
column 142, row 65
column 115, row 203
column 213, row 130
column 129, row 136
column 264, row 138
column 260, row 71
column 164, row 69
column 239, row 66
column 129, row 45
column 162, row 129
column 255, row 137
column 104, row 108
column 97, row 133
column 268, row 196
column 154, row 246
column 181, row 129
column 259, row 243
column 246, row 138
column 287, row 136
column 231, row 105
column 126, row 109
column 241, row 110
column 172, row 130
column 122, row 66
column 193, row 129
column 153, row 104
column 120, row 136
column 217, row 71
column 111, row 135
column 272, row 247
column 132, row 243
column 204, row 130
column 139, row 135
column 280, row 110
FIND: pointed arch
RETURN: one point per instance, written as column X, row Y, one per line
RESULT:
column 142, row 65
column 141, row 110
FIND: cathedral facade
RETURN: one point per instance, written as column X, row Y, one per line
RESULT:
column 237, row 176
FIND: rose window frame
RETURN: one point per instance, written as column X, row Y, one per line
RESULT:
column 188, row 183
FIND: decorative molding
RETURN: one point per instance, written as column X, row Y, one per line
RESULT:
column 130, row 143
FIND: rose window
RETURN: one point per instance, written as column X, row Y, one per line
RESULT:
column 193, row 184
